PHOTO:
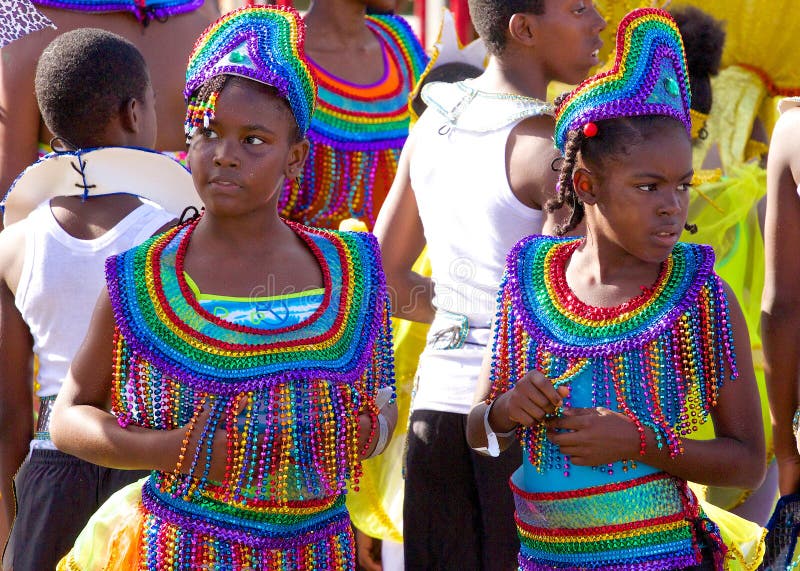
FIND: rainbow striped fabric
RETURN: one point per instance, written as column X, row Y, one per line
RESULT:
column 649, row 77
column 650, row 523
column 356, row 134
column 288, row 398
column 265, row 44
column 144, row 10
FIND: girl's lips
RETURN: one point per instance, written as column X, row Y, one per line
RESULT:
column 666, row 238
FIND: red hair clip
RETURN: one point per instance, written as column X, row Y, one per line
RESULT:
column 590, row 130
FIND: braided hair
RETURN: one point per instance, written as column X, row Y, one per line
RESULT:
column 614, row 138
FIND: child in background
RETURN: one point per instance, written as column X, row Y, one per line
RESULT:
column 162, row 30
column 51, row 271
column 366, row 66
column 473, row 180
column 610, row 349
column 252, row 365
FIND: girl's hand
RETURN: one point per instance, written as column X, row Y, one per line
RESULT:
column 594, row 436
column 529, row 402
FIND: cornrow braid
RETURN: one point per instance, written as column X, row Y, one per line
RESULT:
column 202, row 105
column 565, row 190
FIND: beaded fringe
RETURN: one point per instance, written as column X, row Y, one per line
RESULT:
column 339, row 184
column 663, row 367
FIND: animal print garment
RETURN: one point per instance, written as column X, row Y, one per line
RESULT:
column 19, row 18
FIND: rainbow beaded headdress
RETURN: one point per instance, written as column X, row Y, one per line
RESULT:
column 649, row 77
column 265, row 44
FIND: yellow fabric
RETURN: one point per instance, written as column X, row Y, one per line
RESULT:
column 110, row 540
column 377, row 508
column 744, row 539
column 739, row 96
column 761, row 34
column 731, row 226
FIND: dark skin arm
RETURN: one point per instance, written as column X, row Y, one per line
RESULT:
column 16, row 400
column 780, row 310
column 599, row 436
column 400, row 233
column 16, row 354
column 81, row 424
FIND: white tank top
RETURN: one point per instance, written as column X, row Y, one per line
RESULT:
column 471, row 220
column 61, row 279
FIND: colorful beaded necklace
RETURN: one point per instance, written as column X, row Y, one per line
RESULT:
column 663, row 354
column 288, row 399
column 144, row 10
column 356, row 135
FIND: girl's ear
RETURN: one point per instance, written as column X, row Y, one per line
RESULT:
column 585, row 185
column 296, row 159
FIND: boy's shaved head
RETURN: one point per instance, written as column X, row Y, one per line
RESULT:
column 83, row 79
column 491, row 17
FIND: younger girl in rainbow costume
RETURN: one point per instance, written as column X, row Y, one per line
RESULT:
column 247, row 360
column 611, row 348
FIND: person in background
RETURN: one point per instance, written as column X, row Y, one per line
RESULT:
column 473, row 179
column 93, row 89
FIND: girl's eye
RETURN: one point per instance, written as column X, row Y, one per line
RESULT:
column 652, row 187
column 254, row 140
column 580, row 9
column 207, row 133
column 685, row 187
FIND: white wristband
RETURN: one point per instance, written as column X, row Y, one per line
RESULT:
column 383, row 435
column 492, row 446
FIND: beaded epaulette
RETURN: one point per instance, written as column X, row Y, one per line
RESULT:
column 144, row 10
column 662, row 355
column 356, row 134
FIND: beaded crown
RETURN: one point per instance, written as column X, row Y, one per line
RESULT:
column 649, row 77
column 265, row 44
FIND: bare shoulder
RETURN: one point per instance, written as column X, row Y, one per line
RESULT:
column 12, row 253
column 530, row 155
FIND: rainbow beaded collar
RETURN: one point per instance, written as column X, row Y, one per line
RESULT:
column 144, row 10
column 674, row 339
column 265, row 44
column 649, row 77
column 160, row 318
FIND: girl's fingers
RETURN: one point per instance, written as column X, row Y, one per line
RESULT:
column 526, row 416
column 545, row 387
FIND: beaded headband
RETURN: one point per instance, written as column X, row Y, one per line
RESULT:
column 649, row 77
column 265, row 44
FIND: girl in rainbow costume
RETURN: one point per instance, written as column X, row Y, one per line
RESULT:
column 253, row 410
column 610, row 349
column 362, row 118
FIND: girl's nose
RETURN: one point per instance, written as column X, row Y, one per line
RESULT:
column 225, row 153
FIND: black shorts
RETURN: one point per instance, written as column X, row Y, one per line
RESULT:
column 458, row 511
column 56, row 494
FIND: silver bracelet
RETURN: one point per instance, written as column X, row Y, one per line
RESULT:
column 383, row 435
